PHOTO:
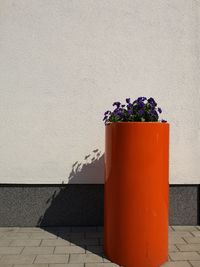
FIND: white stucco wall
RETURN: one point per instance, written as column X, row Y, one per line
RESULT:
column 64, row 62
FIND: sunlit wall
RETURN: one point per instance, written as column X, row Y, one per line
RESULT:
column 64, row 62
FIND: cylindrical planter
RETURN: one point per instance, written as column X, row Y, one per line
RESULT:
column 136, row 193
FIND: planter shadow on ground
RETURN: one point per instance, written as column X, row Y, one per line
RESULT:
column 77, row 204
column 89, row 238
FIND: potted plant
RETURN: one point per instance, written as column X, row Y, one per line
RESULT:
column 136, row 184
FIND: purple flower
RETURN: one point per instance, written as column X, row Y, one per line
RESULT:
column 141, row 109
column 105, row 118
column 140, row 104
column 129, row 106
column 117, row 104
column 107, row 112
column 141, row 112
column 130, row 112
column 141, row 98
column 152, row 102
column 153, row 112
column 117, row 111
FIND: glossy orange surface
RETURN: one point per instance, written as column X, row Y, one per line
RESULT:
column 136, row 193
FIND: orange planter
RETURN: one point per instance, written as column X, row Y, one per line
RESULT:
column 136, row 193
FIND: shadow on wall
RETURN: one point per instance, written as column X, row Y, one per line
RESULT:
column 90, row 171
column 80, row 202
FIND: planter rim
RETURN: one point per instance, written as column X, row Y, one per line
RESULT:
column 137, row 122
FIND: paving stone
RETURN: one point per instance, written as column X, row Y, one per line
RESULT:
column 193, row 240
column 80, row 247
column 43, row 235
column 101, row 264
column 5, row 243
column 185, row 228
column 195, row 233
column 67, row 265
column 25, row 243
column 195, row 263
column 38, row 250
column 176, row 264
column 69, row 250
column 106, row 260
column 176, row 256
column 176, row 240
column 55, row 242
column 30, row 265
column 170, row 228
column 9, row 229
column 189, row 247
column 52, row 259
column 172, row 248
column 14, row 235
column 17, row 259
column 10, row 250
column 58, row 229
column 94, row 249
column 30, row 230
column 80, row 242
column 179, row 234
column 80, row 258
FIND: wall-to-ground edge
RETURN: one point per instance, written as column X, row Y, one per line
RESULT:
column 80, row 204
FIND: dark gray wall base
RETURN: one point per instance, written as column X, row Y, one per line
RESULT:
column 51, row 205
column 184, row 205
column 76, row 204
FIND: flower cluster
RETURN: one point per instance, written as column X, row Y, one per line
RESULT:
column 141, row 109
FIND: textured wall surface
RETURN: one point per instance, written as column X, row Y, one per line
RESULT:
column 51, row 205
column 82, row 204
column 63, row 63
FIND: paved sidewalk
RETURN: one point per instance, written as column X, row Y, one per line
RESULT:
column 82, row 247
